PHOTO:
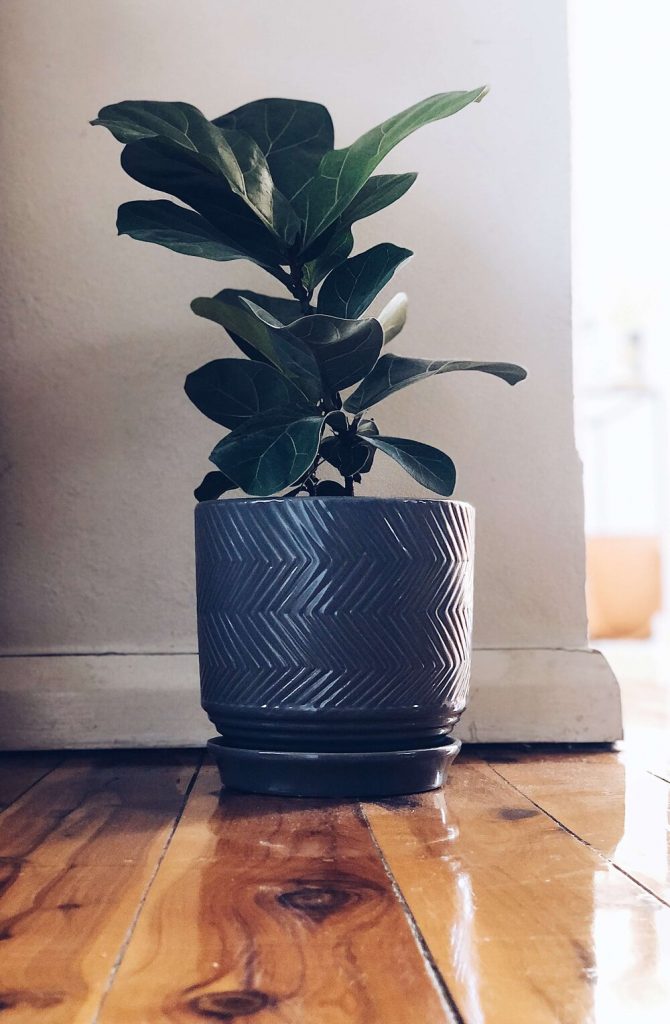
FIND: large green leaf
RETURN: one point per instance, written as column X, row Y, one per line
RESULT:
column 392, row 373
column 269, row 452
column 347, row 453
column 345, row 350
column 213, row 486
column 230, row 391
column 178, row 174
column 393, row 316
column 335, row 252
column 231, row 153
column 378, row 192
column 174, row 227
column 289, row 354
column 343, row 172
column 431, row 467
column 350, row 288
column 293, row 135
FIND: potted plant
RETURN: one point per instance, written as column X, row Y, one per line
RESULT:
column 334, row 629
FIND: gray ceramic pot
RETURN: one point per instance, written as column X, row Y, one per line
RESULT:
column 334, row 637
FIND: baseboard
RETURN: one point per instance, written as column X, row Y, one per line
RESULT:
column 532, row 695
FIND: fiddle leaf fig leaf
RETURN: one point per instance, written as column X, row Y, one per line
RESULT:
column 378, row 191
column 345, row 350
column 227, row 152
column 210, row 195
column 431, row 467
column 174, row 227
column 287, row 353
column 293, row 136
column 330, row 489
column 347, row 453
column 231, row 391
column 336, row 251
column 213, row 486
column 392, row 373
column 393, row 317
column 343, row 172
column 269, row 452
column 350, row 288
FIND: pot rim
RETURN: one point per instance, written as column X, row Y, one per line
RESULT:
column 340, row 498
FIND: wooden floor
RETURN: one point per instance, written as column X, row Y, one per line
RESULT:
column 534, row 888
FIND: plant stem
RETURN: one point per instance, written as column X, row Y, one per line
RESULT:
column 349, row 485
column 298, row 289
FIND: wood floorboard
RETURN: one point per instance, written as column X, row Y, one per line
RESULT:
column 618, row 808
column 77, row 853
column 18, row 772
column 525, row 922
column 273, row 911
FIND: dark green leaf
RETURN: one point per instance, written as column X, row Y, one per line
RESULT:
column 343, row 172
column 213, row 486
column 395, row 372
column 336, row 251
column 269, row 452
column 290, row 355
column 174, row 227
column 228, row 152
column 350, row 288
column 378, row 192
column 178, row 174
column 431, row 467
column 330, row 489
column 293, row 135
column 345, row 350
column 230, row 391
column 393, row 317
column 347, row 453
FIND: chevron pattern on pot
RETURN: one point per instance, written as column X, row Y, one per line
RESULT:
column 327, row 603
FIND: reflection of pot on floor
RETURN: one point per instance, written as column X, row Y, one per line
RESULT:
column 334, row 638
column 623, row 586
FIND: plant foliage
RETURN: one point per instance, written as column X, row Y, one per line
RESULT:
column 264, row 183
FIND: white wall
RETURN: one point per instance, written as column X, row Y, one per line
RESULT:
column 102, row 448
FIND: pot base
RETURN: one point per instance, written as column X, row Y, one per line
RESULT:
column 378, row 773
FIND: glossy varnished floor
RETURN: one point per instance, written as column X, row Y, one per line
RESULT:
column 534, row 888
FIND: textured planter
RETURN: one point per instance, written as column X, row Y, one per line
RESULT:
column 334, row 638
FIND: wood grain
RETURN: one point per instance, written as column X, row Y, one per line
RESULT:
column 277, row 911
column 525, row 922
column 614, row 806
column 18, row 772
column 77, row 853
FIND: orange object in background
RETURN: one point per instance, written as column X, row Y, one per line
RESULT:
column 623, row 586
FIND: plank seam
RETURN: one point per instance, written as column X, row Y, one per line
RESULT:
column 579, row 838
column 448, row 1000
column 5, row 807
column 145, row 893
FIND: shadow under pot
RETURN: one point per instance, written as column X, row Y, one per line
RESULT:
column 335, row 641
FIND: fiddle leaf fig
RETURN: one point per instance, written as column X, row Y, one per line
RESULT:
column 395, row 372
column 393, row 317
column 264, row 183
column 285, row 351
column 175, row 227
column 343, row 172
column 231, row 391
column 213, row 486
column 350, row 288
column 210, row 195
column 227, row 152
column 269, row 452
column 345, row 350
column 293, row 136
column 431, row 467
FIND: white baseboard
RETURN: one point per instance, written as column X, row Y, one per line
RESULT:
column 531, row 695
